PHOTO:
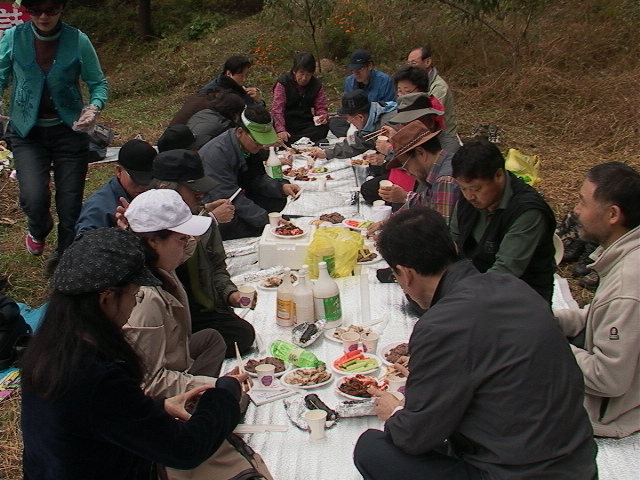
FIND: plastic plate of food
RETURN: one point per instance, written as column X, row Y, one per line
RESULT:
column 355, row 387
column 357, row 225
column 281, row 367
column 390, row 352
column 271, row 284
column 334, row 334
column 288, row 231
column 356, row 361
column 318, row 171
column 295, row 172
column 307, row 377
column 368, row 255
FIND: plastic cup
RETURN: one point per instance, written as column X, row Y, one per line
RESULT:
column 370, row 342
column 385, row 183
column 265, row 374
column 246, row 296
column 322, row 183
column 350, row 341
column 316, row 420
column 274, row 218
column 397, row 384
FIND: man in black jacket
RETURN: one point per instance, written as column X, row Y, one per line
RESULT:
column 502, row 224
column 493, row 390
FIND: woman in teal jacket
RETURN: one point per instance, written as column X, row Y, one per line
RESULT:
column 46, row 58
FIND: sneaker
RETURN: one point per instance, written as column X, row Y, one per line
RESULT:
column 35, row 247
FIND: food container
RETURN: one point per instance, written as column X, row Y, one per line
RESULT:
column 284, row 251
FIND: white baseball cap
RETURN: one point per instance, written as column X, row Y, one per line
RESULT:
column 164, row 209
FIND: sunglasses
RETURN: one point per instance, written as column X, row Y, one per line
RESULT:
column 49, row 12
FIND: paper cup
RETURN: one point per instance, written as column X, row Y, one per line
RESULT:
column 383, row 138
column 317, row 120
column 398, row 395
column 310, row 161
column 316, row 420
column 350, row 341
column 246, row 296
column 379, row 203
column 385, row 183
column 274, row 219
column 370, row 342
column 265, row 374
column 322, row 183
column 397, row 384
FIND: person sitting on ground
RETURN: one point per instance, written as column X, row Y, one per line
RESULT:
column 411, row 106
column 421, row 57
column 222, row 114
column 193, row 104
column 233, row 77
column 419, row 152
column 502, row 224
column 133, row 175
column 159, row 326
column 179, row 137
column 605, row 334
column 367, row 117
column 492, row 389
column 377, row 85
column 297, row 96
column 412, row 79
column 204, row 274
column 235, row 160
column 84, row 414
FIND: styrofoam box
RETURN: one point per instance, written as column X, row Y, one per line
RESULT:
column 281, row 251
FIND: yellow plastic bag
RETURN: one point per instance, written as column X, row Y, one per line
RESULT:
column 336, row 246
column 526, row 167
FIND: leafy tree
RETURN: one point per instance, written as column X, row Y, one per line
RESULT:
column 508, row 19
column 308, row 15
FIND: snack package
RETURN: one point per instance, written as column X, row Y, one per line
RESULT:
column 526, row 167
column 336, row 246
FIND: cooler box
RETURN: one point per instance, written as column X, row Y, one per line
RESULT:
column 282, row 251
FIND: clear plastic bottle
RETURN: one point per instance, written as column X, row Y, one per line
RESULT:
column 296, row 356
column 326, row 298
column 273, row 166
column 303, row 300
column 284, row 302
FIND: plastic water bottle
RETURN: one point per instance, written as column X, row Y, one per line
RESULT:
column 296, row 356
column 273, row 166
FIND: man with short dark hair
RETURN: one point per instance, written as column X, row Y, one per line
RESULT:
column 204, row 274
column 235, row 160
column 421, row 57
column 609, row 214
column 233, row 77
column 133, row 174
column 492, row 389
column 500, row 223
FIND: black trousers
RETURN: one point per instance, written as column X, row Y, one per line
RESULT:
column 238, row 228
column 377, row 458
column 232, row 328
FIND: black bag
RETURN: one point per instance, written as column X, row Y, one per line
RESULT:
column 14, row 332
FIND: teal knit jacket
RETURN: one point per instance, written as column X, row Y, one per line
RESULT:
column 75, row 59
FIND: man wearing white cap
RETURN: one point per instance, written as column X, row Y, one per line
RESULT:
column 159, row 326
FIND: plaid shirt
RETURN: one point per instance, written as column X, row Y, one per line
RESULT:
column 439, row 191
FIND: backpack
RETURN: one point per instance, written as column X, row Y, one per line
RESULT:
column 14, row 332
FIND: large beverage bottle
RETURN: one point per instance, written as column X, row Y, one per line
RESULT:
column 303, row 300
column 273, row 166
column 296, row 356
column 326, row 298
column 284, row 302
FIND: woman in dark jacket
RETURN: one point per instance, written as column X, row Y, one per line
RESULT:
column 83, row 412
column 300, row 106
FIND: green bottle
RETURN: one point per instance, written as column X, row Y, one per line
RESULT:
column 296, row 356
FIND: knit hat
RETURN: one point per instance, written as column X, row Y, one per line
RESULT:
column 136, row 156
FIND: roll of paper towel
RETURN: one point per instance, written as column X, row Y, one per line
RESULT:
column 381, row 212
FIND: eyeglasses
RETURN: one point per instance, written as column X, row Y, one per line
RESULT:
column 49, row 12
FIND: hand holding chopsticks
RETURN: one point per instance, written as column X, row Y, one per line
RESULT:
column 372, row 135
column 246, row 385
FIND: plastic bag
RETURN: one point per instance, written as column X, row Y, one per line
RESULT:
column 526, row 167
column 336, row 246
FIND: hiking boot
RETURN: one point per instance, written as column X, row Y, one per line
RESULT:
column 591, row 281
column 35, row 247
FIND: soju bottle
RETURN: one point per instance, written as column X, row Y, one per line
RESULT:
column 296, row 356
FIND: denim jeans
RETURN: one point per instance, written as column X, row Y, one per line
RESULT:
column 65, row 152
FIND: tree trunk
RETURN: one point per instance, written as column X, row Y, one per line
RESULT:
column 144, row 20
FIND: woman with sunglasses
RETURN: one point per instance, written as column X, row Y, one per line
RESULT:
column 46, row 59
column 83, row 412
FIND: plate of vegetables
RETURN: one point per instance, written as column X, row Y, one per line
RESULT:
column 357, row 225
column 356, row 361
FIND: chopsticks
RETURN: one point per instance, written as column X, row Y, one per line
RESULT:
column 246, row 385
column 232, row 197
column 372, row 135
